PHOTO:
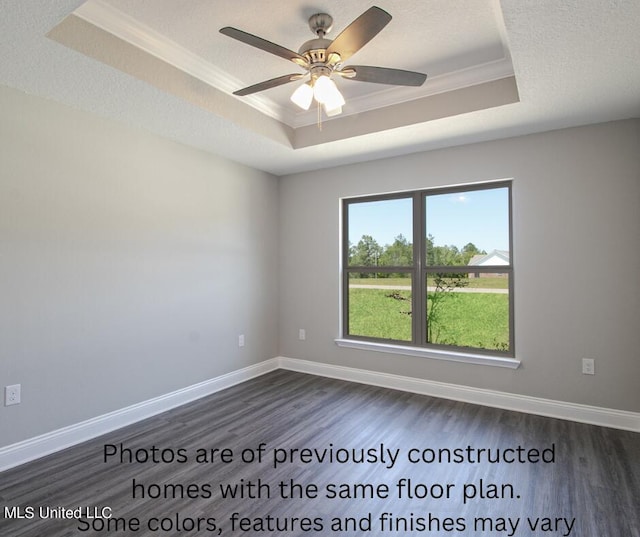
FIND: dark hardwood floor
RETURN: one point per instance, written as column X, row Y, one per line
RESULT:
column 589, row 485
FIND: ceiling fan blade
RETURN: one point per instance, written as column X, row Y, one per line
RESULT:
column 359, row 32
column 268, row 84
column 265, row 45
column 383, row 75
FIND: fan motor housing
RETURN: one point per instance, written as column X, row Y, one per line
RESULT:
column 314, row 48
column 315, row 52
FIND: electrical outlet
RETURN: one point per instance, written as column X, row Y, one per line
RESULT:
column 302, row 334
column 588, row 366
column 12, row 395
column 241, row 340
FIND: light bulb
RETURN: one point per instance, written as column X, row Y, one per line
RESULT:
column 303, row 96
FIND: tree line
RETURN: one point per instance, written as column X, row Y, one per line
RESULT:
column 368, row 253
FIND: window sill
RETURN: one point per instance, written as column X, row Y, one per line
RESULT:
column 451, row 356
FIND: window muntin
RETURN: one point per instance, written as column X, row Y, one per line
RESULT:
column 451, row 306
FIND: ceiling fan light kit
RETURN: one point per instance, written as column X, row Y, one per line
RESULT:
column 321, row 58
column 303, row 96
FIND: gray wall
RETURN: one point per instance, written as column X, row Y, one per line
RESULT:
column 129, row 264
column 576, row 202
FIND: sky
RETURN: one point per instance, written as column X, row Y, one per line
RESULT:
column 477, row 216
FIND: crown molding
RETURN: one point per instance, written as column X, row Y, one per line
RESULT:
column 129, row 29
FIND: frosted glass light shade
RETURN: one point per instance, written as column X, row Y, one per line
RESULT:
column 303, row 96
column 322, row 88
column 332, row 111
column 325, row 92
column 334, row 99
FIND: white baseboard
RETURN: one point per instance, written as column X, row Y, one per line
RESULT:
column 605, row 417
column 39, row 446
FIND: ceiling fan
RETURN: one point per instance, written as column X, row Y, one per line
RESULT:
column 321, row 58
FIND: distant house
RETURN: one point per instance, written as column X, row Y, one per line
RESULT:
column 493, row 258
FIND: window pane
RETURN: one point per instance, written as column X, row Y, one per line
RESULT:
column 468, row 228
column 468, row 310
column 380, row 306
column 380, row 233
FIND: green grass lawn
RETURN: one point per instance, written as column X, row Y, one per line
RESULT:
column 372, row 313
column 478, row 320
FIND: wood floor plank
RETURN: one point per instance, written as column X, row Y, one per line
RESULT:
column 591, row 490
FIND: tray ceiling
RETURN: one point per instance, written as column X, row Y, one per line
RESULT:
column 166, row 45
column 495, row 69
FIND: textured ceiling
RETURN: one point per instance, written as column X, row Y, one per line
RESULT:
column 575, row 62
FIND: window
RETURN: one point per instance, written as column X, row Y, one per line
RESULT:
column 430, row 268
